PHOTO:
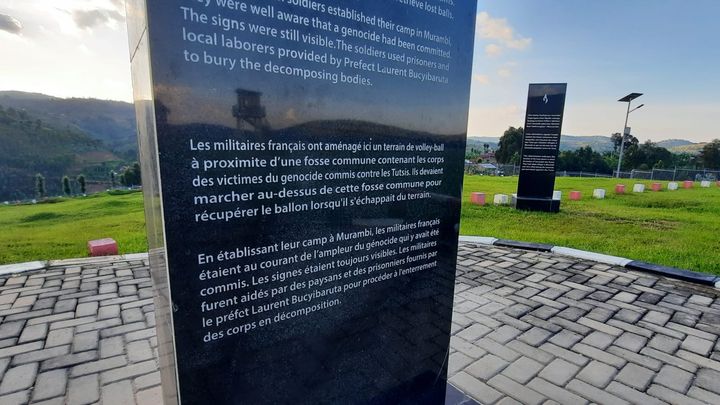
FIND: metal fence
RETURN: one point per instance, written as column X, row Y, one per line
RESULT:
column 654, row 174
column 671, row 174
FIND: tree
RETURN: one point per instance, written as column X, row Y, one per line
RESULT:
column 113, row 179
column 130, row 176
column 39, row 186
column 583, row 159
column 710, row 155
column 509, row 146
column 81, row 181
column 66, row 186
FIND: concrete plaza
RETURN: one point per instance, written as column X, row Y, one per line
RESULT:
column 528, row 327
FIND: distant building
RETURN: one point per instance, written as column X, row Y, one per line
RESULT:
column 249, row 111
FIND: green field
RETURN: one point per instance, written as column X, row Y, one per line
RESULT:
column 61, row 230
column 674, row 228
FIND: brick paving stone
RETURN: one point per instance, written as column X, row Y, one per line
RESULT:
column 703, row 395
column 594, row 394
column 532, row 311
column 709, row 380
column 632, row 395
column 17, row 398
column 640, row 360
column 129, row 371
column 147, row 380
column 559, row 394
column 83, row 390
column 18, row 378
column 530, row 351
column 97, row 366
column 50, row 384
column 664, row 343
column 671, row 396
column 119, row 393
column 474, row 332
column 656, row 317
column 599, row 355
column 139, row 351
column 40, row 355
column 512, row 389
column 457, row 362
column 601, row 340
column 69, row 360
column 598, row 374
column 635, row 376
column 497, row 349
column 610, row 330
column 504, row 334
column 468, row 384
column 559, row 372
column 523, row 370
column 535, row 336
column 59, row 337
column 698, row 345
column 631, row 342
column 85, row 341
column 33, row 332
column 674, row 378
column 11, row 329
column 487, row 367
column 153, row 396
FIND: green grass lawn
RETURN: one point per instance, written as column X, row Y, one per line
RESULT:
column 674, row 228
column 61, row 230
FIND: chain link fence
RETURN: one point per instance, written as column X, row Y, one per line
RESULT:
column 671, row 174
column 655, row 174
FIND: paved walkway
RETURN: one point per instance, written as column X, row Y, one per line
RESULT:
column 531, row 328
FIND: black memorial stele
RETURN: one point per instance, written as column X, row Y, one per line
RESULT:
column 302, row 167
column 540, row 146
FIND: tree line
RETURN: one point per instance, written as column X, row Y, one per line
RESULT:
column 636, row 155
column 129, row 176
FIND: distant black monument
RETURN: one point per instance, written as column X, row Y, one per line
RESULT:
column 540, row 146
column 302, row 167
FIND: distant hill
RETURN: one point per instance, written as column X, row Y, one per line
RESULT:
column 674, row 143
column 31, row 145
column 111, row 122
column 597, row 143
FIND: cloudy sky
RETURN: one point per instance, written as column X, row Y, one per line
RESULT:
column 604, row 50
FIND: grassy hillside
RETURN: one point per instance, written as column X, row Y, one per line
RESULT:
column 31, row 146
column 677, row 228
column 61, row 230
column 112, row 122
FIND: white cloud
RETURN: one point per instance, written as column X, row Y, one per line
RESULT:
column 493, row 49
column 480, row 79
column 499, row 31
column 88, row 19
column 504, row 72
column 10, row 24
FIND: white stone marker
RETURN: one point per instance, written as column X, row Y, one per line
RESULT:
column 557, row 195
column 500, row 199
column 672, row 186
column 639, row 188
column 705, row 184
column 599, row 193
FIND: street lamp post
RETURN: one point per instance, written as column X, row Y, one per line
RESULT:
column 627, row 99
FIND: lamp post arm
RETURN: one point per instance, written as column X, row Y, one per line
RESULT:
column 622, row 139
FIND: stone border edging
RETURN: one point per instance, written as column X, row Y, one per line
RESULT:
column 672, row 272
column 8, row 269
